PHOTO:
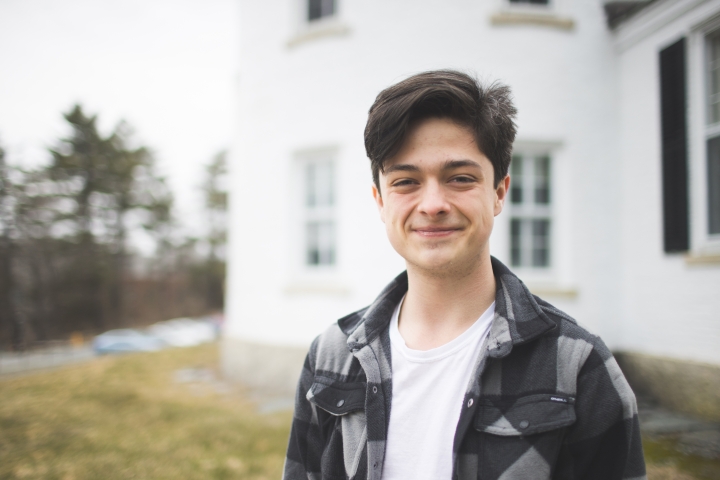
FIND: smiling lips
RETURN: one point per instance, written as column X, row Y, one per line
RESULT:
column 436, row 232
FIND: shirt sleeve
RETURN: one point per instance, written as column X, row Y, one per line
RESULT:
column 604, row 443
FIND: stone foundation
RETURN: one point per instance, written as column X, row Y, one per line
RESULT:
column 683, row 386
column 270, row 369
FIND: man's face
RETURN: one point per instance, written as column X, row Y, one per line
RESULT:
column 437, row 198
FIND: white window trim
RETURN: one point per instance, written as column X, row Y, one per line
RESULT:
column 557, row 279
column 523, row 210
column 531, row 7
column 528, row 210
column 552, row 15
column 304, row 31
column 302, row 275
column 703, row 245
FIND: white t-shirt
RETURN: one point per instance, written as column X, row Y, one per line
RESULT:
column 428, row 389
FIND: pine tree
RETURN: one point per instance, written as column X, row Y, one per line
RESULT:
column 10, row 324
column 216, row 203
column 113, row 183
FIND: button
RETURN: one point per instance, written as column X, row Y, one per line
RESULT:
column 524, row 424
column 375, row 465
column 340, row 402
column 374, row 389
column 470, row 402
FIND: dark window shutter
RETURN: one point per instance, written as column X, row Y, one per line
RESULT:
column 713, row 173
column 674, row 148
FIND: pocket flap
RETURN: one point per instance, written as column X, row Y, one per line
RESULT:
column 337, row 398
column 526, row 415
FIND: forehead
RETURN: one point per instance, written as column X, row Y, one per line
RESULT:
column 437, row 140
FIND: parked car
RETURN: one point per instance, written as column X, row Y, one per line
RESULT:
column 126, row 340
column 183, row 332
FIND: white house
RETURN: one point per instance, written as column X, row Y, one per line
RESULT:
column 614, row 213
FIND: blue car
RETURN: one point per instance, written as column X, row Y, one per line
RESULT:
column 126, row 340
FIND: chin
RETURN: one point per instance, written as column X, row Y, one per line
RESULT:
column 442, row 263
column 435, row 263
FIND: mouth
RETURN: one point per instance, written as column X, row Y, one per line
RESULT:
column 436, row 232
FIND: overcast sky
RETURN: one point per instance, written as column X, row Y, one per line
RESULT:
column 167, row 67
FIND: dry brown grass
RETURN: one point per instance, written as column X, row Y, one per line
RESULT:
column 125, row 417
column 666, row 472
column 667, row 460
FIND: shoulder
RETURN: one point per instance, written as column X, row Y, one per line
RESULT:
column 329, row 353
column 586, row 354
column 575, row 343
column 565, row 325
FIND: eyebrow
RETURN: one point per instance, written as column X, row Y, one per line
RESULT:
column 402, row 167
column 449, row 165
column 452, row 164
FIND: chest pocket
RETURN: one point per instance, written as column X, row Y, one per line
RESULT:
column 337, row 398
column 526, row 416
column 522, row 436
column 347, row 436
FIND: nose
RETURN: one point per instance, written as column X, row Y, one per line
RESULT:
column 433, row 201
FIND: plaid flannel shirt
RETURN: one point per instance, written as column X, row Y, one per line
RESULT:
column 547, row 399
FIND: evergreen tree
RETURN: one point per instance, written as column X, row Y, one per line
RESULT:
column 211, row 272
column 216, row 203
column 66, row 246
column 10, row 325
column 112, row 183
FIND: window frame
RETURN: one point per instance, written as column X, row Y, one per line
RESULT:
column 525, row 7
column 556, row 14
column 302, row 214
column 528, row 4
column 560, row 279
column 321, row 18
column 303, row 30
column 527, row 212
column 712, row 130
column 703, row 244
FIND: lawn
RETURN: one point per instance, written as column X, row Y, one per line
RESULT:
column 128, row 417
column 666, row 461
column 165, row 415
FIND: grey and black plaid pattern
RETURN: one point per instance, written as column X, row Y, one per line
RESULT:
column 547, row 399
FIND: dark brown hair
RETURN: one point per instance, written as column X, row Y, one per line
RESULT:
column 487, row 111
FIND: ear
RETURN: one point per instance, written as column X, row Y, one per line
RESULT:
column 501, row 193
column 379, row 201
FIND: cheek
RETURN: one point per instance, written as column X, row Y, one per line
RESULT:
column 480, row 206
column 396, row 213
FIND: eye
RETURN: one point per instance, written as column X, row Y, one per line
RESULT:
column 462, row 179
column 403, row 182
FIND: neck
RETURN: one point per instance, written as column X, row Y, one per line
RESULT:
column 438, row 308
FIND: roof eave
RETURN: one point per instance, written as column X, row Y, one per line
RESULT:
column 618, row 11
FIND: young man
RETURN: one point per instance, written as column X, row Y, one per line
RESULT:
column 456, row 370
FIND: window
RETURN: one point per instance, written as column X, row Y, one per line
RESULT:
column 318, row 9
column 318, row 218
column 315, row 20
column 712, row 133
column 530, row 212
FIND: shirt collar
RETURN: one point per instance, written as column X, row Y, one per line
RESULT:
column 518, row 317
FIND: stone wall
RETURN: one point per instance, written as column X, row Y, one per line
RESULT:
column 683, row 386
column 266, row 368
